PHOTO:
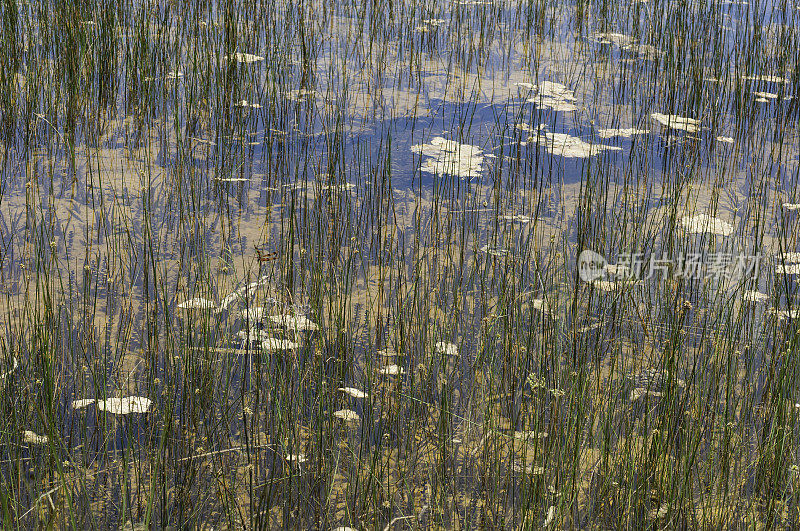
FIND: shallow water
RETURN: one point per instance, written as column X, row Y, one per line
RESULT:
column 127, row 189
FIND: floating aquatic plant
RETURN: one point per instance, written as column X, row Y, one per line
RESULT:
column 755, row 296
column 124, row 405
column 82, row 403
column 608, row 285
column 448, row 157
column 703, row 223
column 352, row 391
column 514, row 218
column 253, row 335
column 530, row 435
column 764, row 96
column 497, row 252
column 198, row 303
column 766, row 78
column 554, row 96
column 551, row 515
column 617, row 39
column 301, row 95
column 31, row 437
column 296, row 459
column 347, row 415
column 434, row 21
column 652, row 382
column 446, row 349
column 627, row 133
column 254, row 314
column 567, row 146
column 272, row 343
column 391, row 370
column 243, row 58
column 345, row 187
column 242, row 294
column 247, row 105
column 529, row 469
column 673, row 121
column 294, row 322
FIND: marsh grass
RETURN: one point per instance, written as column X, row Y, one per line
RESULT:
column 397, row 175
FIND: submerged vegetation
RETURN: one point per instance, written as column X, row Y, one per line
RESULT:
column 317, row 264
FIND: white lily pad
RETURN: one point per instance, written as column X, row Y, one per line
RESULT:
column 352, row 391
column 254, row 314
column 197, row 303
column 125, row 405
column 31, row 437
column 244, row 104
column 243, row 293
column 294, row 322
column 448, row 157
column 617, row 39
column 82, row 403
column 765, row 95
column 766, row 78
column 554, row 96
column 567, row 146
column 347, row 415
column 626, row 133
column 497, row 252
column 391, row 370
column 515, row 218
column 755, row 296
column 446, row 349
column 703, row 223
column 344, row 187
column 530, row 435
column 244, row 58
column 673, row 121
column 272, row 343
